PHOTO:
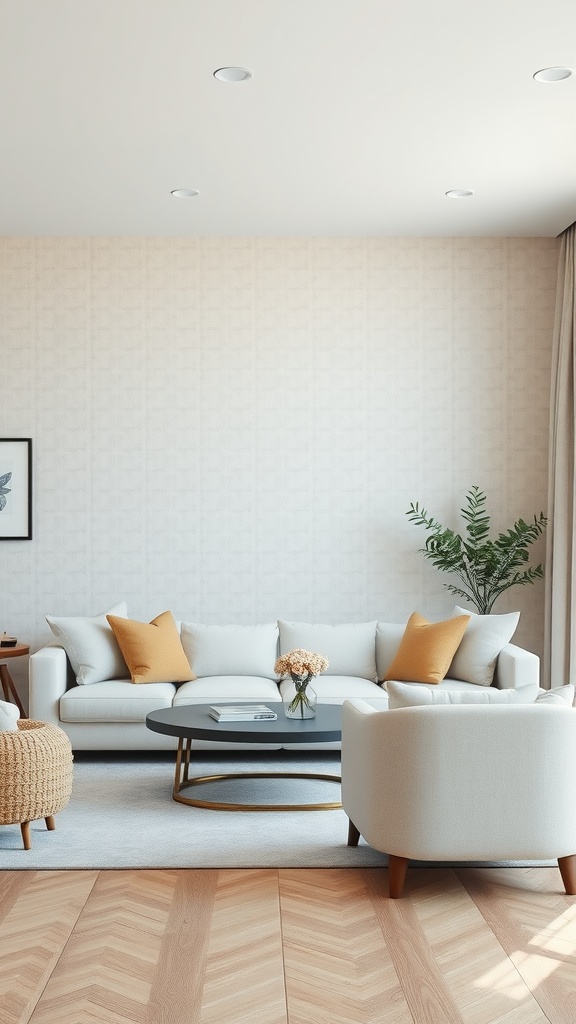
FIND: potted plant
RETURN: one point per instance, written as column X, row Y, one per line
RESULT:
column 485, row 567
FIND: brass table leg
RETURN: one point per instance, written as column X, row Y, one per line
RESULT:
column 182, row 781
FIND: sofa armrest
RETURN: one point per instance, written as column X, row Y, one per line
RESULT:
column 48, row 675
column 517, row 669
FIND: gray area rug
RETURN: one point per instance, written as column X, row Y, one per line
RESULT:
column 121, row 815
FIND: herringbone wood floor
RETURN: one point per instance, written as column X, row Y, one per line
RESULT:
column 479, row 946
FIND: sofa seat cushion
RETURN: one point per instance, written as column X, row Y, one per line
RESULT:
column 219, row 689
column 337, row 689
column 116, row 700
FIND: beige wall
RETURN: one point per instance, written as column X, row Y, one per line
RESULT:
column 234, row 428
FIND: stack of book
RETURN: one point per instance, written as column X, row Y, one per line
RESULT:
column 242, row 713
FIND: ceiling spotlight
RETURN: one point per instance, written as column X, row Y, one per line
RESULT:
column 552, row 74
column 233, row 74
column 184, row 193
column 459, row 193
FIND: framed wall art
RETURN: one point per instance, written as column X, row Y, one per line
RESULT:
column 15, row 488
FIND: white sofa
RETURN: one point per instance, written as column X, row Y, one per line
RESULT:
column 234, row 664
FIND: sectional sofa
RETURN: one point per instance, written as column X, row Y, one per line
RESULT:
column 81, row 683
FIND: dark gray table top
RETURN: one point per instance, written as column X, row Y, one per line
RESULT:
column 193, row 721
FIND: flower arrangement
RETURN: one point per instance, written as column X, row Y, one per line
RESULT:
column 301, row 666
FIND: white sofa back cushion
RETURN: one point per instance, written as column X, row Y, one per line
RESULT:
column 230, row 650
column 349, row 647
column 91, row 645
column 410, row 695
column 485, row 636
column 388, row 638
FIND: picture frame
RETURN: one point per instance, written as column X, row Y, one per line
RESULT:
column 15, row 488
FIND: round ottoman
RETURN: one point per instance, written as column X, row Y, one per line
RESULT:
column 36, row 773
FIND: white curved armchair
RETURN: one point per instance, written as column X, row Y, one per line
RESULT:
column 462, row 782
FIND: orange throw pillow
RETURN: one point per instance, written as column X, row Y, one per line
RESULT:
column 426, row 649
column 152, row 650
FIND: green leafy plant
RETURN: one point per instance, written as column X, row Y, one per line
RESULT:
column 485, row 568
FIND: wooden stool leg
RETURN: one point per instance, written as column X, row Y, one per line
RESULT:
column 25, row 830
column 567, row 867
column 396, row 875
column 50, row 823
column 353, row 834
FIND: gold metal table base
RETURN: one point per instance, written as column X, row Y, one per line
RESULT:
column 182, row 781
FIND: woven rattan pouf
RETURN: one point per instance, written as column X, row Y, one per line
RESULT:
column 36, row 774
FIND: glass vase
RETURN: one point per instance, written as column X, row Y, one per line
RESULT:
column 301, row 704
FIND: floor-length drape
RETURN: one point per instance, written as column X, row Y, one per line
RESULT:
column 560, row 626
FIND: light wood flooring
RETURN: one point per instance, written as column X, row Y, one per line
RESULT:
column 480, row 946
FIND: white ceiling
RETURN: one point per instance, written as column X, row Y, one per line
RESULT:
column 360, row 115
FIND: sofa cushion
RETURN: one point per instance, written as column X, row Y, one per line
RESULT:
column 388, row 639
column 484, row 637
column 9, row 715
column 216, row 689
column 349, row 647
column 231, row 650
column 115, row 700
column 410, row 695
column 153, row 650
column 336, row 689
column 426, row 649
column 91, row 646
column 561, row 695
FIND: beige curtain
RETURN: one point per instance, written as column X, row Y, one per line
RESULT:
column 560, row 626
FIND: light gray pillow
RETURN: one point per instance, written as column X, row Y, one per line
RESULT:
column 91, row 645
column 560, row 695
column 349, row 647
column 412, row 695
column 9, row 715
column 230, row 650
column 485, row 636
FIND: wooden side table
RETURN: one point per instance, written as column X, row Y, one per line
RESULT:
column 10, row 692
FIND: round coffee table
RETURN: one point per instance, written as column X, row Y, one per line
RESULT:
column 193, row 722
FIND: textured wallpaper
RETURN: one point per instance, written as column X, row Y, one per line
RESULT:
column 234, row 428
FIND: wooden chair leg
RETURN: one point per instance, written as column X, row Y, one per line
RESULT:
column 25, row 830
column 50, row 823
column 396, row 876
column 353, row 834
column 567, row 867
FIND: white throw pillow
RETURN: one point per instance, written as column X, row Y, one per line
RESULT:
column 9, row 715
column 350, row 647
column 412, row 695
column 560, row 695
column 91, row 645
column 485, row 636
column 230, row 650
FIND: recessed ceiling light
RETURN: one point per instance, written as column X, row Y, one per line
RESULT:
column 233, row 74
column 552, row 74
column 184, row 193
column 459, row 193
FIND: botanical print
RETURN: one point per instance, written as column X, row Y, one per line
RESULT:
column 4, row 490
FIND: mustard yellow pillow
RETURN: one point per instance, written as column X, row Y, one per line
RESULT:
column 152, row 650
column 426, row 649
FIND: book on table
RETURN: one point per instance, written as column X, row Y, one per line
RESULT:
column 242, row 713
